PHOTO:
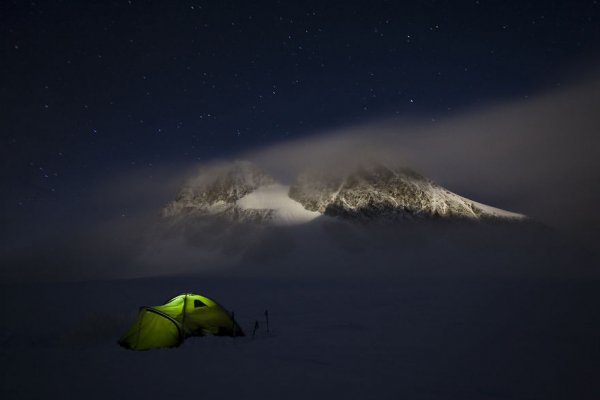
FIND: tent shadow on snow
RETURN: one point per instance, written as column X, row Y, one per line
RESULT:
column 183, row 316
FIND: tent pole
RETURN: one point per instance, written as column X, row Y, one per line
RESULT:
column 183, row 314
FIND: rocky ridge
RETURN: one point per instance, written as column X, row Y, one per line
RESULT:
column 215, row 192
column 241, row 192
column 377, row 191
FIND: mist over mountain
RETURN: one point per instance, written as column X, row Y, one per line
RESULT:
column 234, row 218
column 534, row 157
column 241, row 192
column 378, row 191
column 216, row 190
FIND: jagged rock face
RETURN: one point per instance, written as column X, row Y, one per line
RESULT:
column 236, row 213
column 375, row 191
column 215, row 191
column 241, row 192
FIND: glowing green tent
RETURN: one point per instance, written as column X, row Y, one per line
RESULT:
column 183, row 316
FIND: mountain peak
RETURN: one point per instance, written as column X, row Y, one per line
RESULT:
column 242, row 192
column 217, row 188
column 374, row 190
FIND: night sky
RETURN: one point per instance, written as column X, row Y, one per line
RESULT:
column 107, row 108
column 92, row 89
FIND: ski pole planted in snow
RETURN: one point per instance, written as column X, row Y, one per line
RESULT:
column 255, row 328
column 267, row 318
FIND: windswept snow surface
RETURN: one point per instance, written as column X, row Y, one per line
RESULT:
column 275, row 197
column 450, row 338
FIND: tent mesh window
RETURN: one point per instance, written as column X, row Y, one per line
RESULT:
column 198, row 303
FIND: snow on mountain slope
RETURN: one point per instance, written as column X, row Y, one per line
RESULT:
column 497, row 212
column 377, row 191
column 241, row 192
column 214, row 192
column 275, row 197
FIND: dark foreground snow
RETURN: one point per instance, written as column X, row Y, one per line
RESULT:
column 351, row 338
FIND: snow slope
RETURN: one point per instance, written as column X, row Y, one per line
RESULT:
column 376, row 191
column 451, row 338
column 241, row 192
column 275, row 197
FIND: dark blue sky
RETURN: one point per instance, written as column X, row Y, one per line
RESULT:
column 90, row 89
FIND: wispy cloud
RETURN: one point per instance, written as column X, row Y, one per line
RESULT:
column 538, row 156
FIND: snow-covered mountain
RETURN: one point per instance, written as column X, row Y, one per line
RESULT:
column 377, row 191
column 216, row 190
column 242, row 192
